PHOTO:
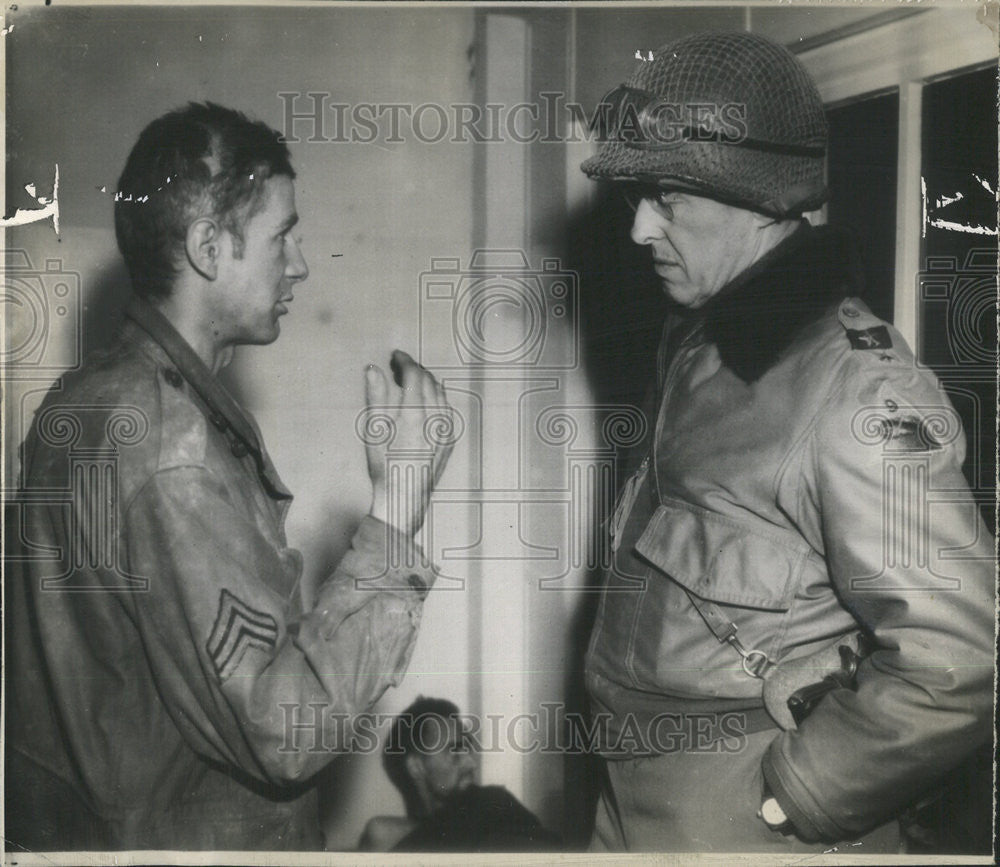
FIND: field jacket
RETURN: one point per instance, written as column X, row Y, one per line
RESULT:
column 804, row 475
column 166, row 687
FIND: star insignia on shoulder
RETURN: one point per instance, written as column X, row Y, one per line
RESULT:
column 870, row 338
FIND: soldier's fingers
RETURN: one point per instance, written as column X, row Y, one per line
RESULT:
column 442, row 453
column 408, row 375
column 429, row 389
column 376, row 386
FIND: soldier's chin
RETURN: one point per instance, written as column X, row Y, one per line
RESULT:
column 263, row 338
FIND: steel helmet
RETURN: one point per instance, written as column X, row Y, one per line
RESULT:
column 732, row 116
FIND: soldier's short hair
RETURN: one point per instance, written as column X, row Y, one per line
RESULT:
column 200, row 160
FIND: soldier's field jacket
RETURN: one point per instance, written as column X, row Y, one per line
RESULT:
column 804, row 475
column 165, row 688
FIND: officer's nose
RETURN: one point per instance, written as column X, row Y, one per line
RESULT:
column 296, row 268
column 647, row 225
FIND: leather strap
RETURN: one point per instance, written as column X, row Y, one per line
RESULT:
column 755, row 662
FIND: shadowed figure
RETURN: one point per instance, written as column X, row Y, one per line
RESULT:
column 429, row 758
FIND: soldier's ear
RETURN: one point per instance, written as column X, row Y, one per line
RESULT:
column 414, row 767
column 202, row 245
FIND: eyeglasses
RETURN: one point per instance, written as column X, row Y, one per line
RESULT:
column 640, row 119
column 660, row 199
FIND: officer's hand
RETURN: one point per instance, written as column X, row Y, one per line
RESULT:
column 412, row 427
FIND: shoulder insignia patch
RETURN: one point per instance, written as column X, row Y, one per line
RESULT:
column 909, row 435
column 238, row 627
column 870, row 338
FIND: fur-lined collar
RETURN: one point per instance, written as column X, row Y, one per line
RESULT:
column 757, row 316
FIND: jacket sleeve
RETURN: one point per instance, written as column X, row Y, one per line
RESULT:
column 909, row 556
column 248, row 680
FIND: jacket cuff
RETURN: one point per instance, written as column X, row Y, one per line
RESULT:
column 801, row 818
column 399, row 564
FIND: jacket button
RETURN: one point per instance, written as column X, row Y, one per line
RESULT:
column 238, row 449
column 219, row 421
column 415, row 583
column 173, row 377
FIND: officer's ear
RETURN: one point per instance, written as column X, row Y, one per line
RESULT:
column 762, row 220
column 202, row 246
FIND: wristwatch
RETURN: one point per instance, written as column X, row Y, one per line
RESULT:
column 772, row 814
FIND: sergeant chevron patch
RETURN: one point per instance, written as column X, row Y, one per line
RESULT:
column 238, row 627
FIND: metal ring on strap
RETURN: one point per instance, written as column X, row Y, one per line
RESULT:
column 756, row 663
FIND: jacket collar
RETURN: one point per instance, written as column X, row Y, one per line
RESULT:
column 223, row 411
column 758, row 315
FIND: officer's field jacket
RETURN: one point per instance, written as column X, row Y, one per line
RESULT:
column 165, row 687
column 805, row 476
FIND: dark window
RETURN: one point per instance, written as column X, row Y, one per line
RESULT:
column 863, row 146
column 957, row 282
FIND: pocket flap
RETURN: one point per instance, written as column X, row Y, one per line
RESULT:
column 721, row 559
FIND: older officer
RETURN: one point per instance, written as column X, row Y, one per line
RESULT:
column 778, row 528
column 161, row 664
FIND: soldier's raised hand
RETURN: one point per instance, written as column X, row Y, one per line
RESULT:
column 409, row 434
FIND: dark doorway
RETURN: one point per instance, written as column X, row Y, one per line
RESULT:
column 864, row 136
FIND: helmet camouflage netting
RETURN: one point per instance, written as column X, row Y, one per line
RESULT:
column 730, row 115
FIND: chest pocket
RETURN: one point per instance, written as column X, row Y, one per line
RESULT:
column 751, row 573
column 723, row 560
